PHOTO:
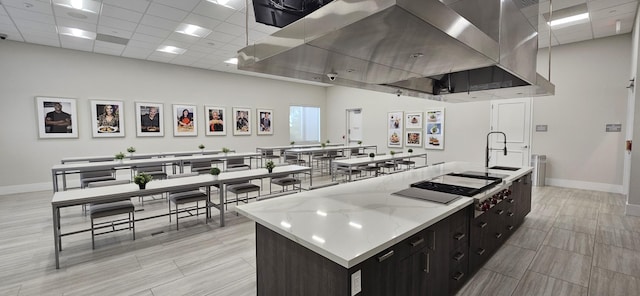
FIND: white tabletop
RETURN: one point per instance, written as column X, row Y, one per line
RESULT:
column 378, row 158
column 351, row 222
column 136, row 155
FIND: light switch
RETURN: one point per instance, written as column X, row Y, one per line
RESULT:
column 356, row 283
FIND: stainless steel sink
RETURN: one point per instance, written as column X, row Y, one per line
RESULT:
column 503, row 168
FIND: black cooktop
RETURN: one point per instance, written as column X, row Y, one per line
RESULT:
column 451, row 183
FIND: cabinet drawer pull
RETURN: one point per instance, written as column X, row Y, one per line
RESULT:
column 480, row 251
column 510, row 227
column 498, row 235
column 385, row 256
column 482, row 224
column 500, row 212
column 458, row 276
column 427, row 263
column 417, row 242
column 458, row 256
column 459, row 236
column 510, row 214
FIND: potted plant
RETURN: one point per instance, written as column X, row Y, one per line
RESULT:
column 119, row 156
column 323, row 145
column 201, row 147
column 293, row 143
column 410, row 150
column 328, row 141
column 225, row 150
column 131, row 150
column 359, row 142
column 392, row 152
column 372, row 155
column 142, row 179
column 269, row 165
column 215, row 172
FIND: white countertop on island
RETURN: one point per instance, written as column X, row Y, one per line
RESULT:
column 351, row 222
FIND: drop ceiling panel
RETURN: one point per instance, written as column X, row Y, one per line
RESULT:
column 120, row 14
column 30, row 15
column 23, row 24
column 161, row 57
column 239, row 19
column 613, row 11
column 42, row 41
column 136, row 52
column 150, row 43
column 71, row 23
column 213, row 11
column 230, row 29
column 135, row 5
column 108, row 50
column 4, row 19
column 186, row 5
column 220, row 37
column 202, row 21
column 167, row 12
column 76, row 43
column 184, row 60
column 603, row 4
column 110, row 22
column 37, row 6
column 158, row 22
column 186, row 39
column 152, row 31
column 63, row 12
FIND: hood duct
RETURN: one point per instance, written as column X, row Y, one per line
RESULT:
column 451, row 50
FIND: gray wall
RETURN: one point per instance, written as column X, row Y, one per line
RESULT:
column 591, row 79
column 633, row 159
column 32, row 70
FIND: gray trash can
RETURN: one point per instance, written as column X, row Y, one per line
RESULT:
column 539, row 164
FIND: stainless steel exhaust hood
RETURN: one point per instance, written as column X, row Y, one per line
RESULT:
column 456, row 51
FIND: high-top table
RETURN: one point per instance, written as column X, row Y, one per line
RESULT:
column 353, row 163
column 80, row 167
column 118, row 192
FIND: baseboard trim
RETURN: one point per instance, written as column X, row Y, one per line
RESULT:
column 613, row 188
column 24, row 188
column 632, row 210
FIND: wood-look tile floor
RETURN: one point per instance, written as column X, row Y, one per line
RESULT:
column 574, row 242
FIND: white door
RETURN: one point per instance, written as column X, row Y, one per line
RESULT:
column 354, row 125
column 512, row 117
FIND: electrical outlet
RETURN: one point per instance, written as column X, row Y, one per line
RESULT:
column 356, row 283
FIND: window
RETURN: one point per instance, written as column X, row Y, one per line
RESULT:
column 304, row 124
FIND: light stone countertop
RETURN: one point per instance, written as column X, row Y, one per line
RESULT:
column 351, row 222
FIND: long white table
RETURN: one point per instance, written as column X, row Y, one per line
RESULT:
column 118, row 192
column 136, row 155
column 80, row 167
column 352, row 163
column 309, row 152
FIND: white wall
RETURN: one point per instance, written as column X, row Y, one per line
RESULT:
column 591, row 79
column 32, row 70
column 633, row 159
column 466, row 125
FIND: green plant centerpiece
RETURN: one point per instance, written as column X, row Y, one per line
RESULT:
column 201, row 146
column 359, row 142
column 372, row 155
column 225, row 150
column 119, row 156
column 410, row 150
column 328, row 141
column 293, row 143
column 215, row 172
column 131, row 150
column 392, row 152
column 270, row 165
column 323, row 145
column 142, row 179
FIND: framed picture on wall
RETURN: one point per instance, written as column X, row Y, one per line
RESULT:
column 413, row 120
column 435, row 129
column 265, row 121
column 394, row 129
column 107, row 119
column 57, row 117
column 414, row 138
column 149, row 120
column 184, row 120
column 242, row 125
column 215, row 125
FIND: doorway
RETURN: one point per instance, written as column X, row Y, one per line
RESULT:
column 354, row 126
column 513, row 117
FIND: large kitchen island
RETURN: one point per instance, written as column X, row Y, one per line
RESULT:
column 362, row 239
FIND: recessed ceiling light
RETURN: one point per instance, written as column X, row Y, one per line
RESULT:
column 26, row 5
column 569, row 19
column 193, row 30
column 76, row 33
column 83, row 5
column 171, row 49
column 233, row 61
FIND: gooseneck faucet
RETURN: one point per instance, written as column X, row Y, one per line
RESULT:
column 486, row 156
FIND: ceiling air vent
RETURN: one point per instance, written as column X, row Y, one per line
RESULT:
column 112, row 39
